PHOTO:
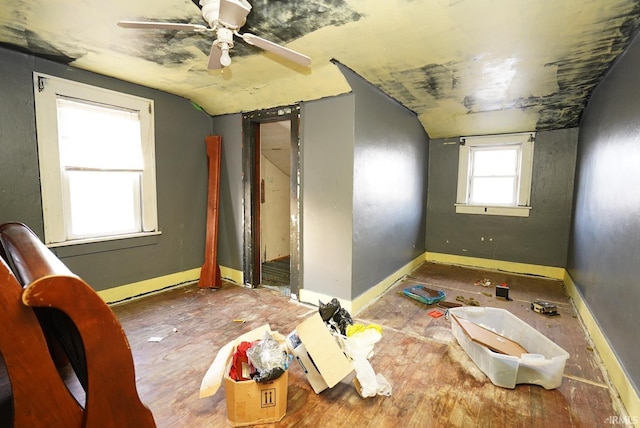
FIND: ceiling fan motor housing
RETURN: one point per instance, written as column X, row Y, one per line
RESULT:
column 227, row 13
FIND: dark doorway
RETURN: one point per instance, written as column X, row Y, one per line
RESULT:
column 271, row 199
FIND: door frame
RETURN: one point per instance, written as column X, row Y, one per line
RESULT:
column 251, row 194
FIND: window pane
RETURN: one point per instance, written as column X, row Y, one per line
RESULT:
column 96, row 136
column 492, row 190
column 495, row 162
column 103, row 203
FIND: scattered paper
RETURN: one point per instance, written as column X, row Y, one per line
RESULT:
column 156, row 339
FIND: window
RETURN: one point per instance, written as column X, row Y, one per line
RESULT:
column 494, row 174
column 97, row 162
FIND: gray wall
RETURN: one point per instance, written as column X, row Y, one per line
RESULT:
column 541, row 239
column 604, row 256
column 389, row 185
column 327, row 192
column 181, row 174
column 326, row 152
column 363, row 197
column 230, row 213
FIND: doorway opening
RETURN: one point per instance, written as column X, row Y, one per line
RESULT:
column 271, row 171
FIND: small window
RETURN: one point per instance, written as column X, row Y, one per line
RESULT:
column 97, row 162
column 494, row 175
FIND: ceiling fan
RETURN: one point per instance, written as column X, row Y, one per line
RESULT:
column 225, row 18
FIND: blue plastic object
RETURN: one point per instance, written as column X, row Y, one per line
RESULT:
column 423, row 294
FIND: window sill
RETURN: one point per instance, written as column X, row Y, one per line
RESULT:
column 98, row 245
column 493, row 210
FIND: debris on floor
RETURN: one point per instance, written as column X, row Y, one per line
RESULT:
column 435, row 313
column 469, row 301
column 254, row 366
column 484, row 282
column 332, row 349
column 447, row 305
column 543, row 307
column 359, row 345
column 423, row 294
column 335, row 316
column 502, row 290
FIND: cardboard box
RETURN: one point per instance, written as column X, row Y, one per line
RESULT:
column 248, row 402
column 306, row 364
column 251, row 403
column 319, row 355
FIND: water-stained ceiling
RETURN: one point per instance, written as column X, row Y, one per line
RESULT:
column 466, row 67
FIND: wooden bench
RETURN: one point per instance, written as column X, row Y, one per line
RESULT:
column 44, row 306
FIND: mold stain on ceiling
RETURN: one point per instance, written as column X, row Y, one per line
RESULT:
column 465, row 67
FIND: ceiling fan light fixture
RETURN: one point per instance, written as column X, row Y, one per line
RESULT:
column 225, row 18
column 225, row 59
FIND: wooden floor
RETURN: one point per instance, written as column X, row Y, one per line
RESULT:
column 434, row 382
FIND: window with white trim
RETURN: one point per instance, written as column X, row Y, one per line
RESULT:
column 494, row 174
column 96, row 151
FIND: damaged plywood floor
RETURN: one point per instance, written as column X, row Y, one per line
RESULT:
column 434, row 382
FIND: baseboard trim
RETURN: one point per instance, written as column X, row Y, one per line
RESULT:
column 359, row 303
column 233, row 275
column 128, row 291
column 369, row 296
column 617, row 376
column 514, row 267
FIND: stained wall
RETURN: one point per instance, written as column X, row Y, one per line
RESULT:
column 604, row 254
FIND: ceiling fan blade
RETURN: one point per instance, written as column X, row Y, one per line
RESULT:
column 214, row 58
column 162, row 25
column 277, row 49
column 233, row 13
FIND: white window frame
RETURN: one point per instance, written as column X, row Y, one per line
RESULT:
column 46, row 90
column 522, row 207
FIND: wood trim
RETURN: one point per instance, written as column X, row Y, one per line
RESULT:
column 210, row 274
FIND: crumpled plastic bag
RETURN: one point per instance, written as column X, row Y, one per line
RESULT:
column 359, row 327
column 384, row 387
column 359, row 347
column 269, row 358
column 335, row 316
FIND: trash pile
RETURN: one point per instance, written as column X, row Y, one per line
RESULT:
column 262, row 361
column 253, row 369
column 328, row 346
column 357, row 341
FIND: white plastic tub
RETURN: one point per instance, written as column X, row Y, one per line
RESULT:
column 543, row 365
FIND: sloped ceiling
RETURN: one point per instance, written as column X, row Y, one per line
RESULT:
column 465, row 67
